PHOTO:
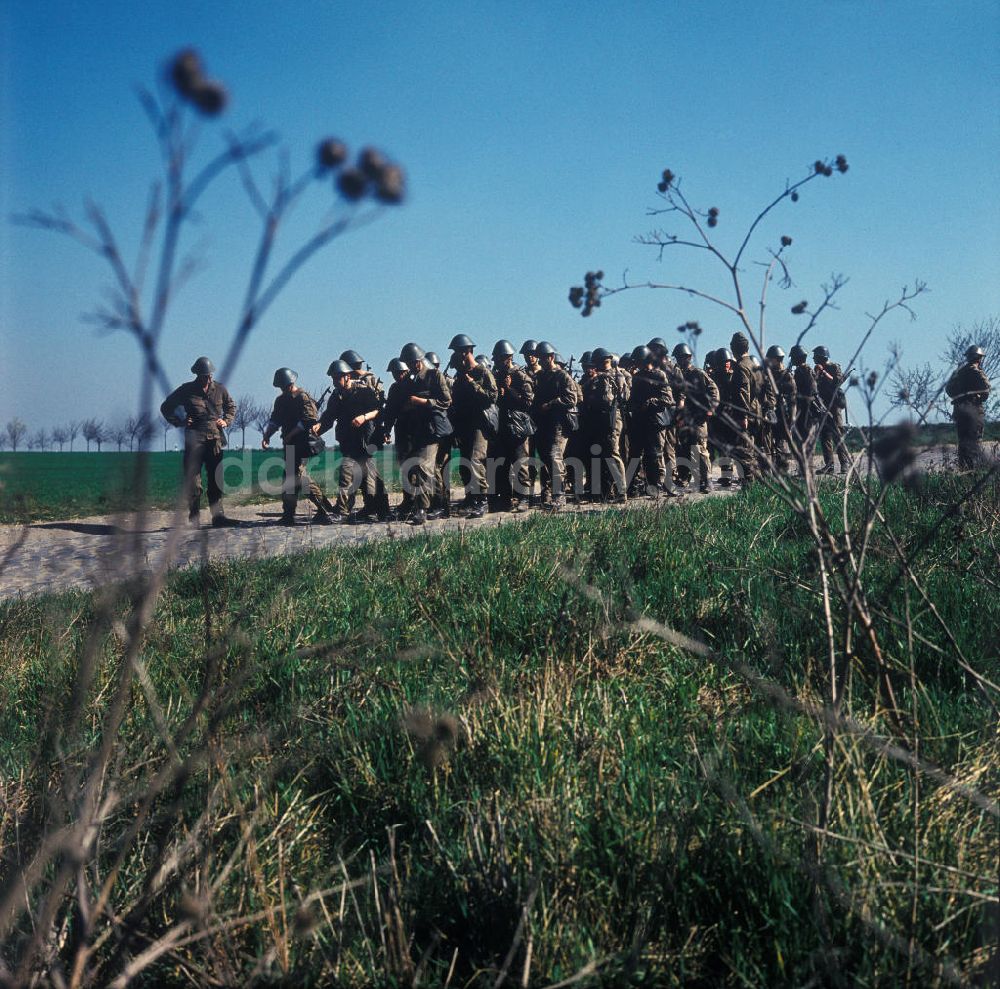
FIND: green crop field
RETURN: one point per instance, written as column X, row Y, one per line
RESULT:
column 42, row 486
column 472, row 760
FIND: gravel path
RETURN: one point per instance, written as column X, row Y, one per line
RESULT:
column 47, row 557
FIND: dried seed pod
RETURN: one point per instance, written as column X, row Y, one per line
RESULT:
column 799, row 308
column 786, row 241
column 391, row 185
column 841, row 164
column 331, row 153
column 186, row 71
column 209, row 97
column 352, row 183
column 794, row 197
column 371, row 161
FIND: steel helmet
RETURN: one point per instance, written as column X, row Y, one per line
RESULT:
column 353, row 358
column 284, row 377
column 482, row 359
column 682, row 350
column 974, row 353
column 203, row 366
column 821, row 354
column 740, row 343
column 643, row 355
column 587, row 359
column 338, row 368
column 503, row 348
column 411, row 353
column 461, row 342
column 560, row 360
column 774, row 352
column 599, row 356
column 798, row 354
column 543, row 349
column 396, row 366
column 528, row 347
column 657, row 345
column 432, row 359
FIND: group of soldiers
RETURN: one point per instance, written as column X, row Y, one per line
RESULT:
column 651, row 423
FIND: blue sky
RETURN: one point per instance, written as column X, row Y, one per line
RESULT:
column 533, row 135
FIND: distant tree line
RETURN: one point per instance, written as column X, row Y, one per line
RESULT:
column 133, row 433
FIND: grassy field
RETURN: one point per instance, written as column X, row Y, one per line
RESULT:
column 519, row 780
column 41, row 486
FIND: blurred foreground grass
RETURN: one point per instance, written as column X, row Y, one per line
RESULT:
column 521, row 781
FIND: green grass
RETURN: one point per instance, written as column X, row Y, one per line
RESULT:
column 43, row 486
column 648, row 798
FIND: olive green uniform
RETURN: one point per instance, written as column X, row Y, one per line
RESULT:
column 473, row 392
column 832, row 404
column 699, row 399
column 357, row 465
column 197, row 409
column 509, row 447
column 296, row 413
column 554, row 409
column 651, row 402
column 969, row 388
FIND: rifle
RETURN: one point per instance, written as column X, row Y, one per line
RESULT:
column 322, row 399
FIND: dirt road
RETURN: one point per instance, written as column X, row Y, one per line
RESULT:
column 47, row 557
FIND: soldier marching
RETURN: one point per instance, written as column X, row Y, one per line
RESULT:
column 645, row 425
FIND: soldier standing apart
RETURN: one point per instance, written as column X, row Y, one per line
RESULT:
column 554, row 412
column 698, row 400
column 805, row 404
column 473, row 394
column 294, row 413
column 968, row 388
column 782, row 416
column 744, row 407
column 421, row 409
column 509, row 448
column 354, row 406
column 832, row 405
column 204, row 409
column 651, row 404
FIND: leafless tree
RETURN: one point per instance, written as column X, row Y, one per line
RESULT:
column 261, row 419
column 60, row 435
column 118, row 434
column 140, row 431
column 38, row 440
column 248, row 409
column 15, row 432
column 94, row 431
column 72, row 431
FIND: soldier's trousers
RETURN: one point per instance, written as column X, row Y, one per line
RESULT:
column 512, row 477
column 647, row 443
column 472, row 469
column 969, row 422
column 418, row 469
column 612, row 467
column 442, row 472
column 694, row 449
column 551, row 445
column 198, row 453
column 831, row 438
column 297, row 480
column 357, row 473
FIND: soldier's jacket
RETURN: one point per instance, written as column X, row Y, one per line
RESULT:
column 623, row 380
column 417, row 423
column 968, row 386
column 203, row 407
column 368, row 379
column 651, row 393
column 829, row 391
column 769, row 393
column 742, row 397
column 398, row 390
column 785, row 382
column 472, row 393
column 557, row 387
column 805, row 387
column 519, row 395
column 600, row 393
column 699, row 392
column 292, row 410
column 722, row 423
column 345, row 406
